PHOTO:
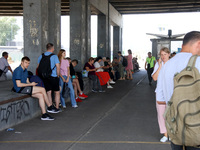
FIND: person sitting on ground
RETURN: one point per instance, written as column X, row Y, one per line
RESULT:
column 22, row 85
column 103, row 76
column 4, row 66
column 89, row 66
column 65, row 77
column 160, row 106
column 75, row 81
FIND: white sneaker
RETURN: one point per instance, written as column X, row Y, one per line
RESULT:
column 75, row 106
column 112, row 82
column 109, row 87
column 163, row 139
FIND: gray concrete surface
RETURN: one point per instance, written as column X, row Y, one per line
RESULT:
column 123, row 118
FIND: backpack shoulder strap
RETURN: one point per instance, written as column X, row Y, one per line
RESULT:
column 51, row 54
column 191, row 63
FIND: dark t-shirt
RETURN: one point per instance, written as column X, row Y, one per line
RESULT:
column 90, row 67
column 72, row 71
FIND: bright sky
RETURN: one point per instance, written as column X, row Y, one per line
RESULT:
column 136, row 26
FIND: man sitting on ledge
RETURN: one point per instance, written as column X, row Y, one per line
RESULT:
column 22, row 85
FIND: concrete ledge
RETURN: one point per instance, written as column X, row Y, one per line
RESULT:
column 15, row 108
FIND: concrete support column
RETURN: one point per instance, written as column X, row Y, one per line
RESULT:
column 80, row 29
column 117, row 40
column 54, row 23
column 102, row 40
column 154, row 48
column 35, row 13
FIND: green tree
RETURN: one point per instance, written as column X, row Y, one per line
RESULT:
column 8, row 29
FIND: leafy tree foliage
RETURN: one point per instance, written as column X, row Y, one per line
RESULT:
column 8, row 29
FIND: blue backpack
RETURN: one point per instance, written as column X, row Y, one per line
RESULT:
column 36, row 79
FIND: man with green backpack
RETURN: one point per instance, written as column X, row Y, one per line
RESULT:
column 178, row 85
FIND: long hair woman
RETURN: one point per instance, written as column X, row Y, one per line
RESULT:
column 161, row 106
column 129, row 67
column 65, row 77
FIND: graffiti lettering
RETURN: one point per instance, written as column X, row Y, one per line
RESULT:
column 16, row 110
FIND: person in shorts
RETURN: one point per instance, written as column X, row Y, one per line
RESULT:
column 52, row 83
column 22, row 85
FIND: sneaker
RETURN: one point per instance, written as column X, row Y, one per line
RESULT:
column 109, row 87
column 52, row 109
column 78, row 100
column 101, row 91
column 94, row 90
column 57, row 110
column 163, row 139
column 112, row 82
column 75, row 106
column 64, row 107
column 82, row 96
column 46, row 117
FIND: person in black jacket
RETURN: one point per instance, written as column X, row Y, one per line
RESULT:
column 75, row 82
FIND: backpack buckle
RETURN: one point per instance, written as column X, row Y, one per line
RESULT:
column 169, row 103
column 188, row 68
column 173, row 119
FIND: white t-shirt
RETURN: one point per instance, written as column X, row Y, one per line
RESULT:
column 165, row 82
column 4, row 64
column 97, row 65
column 154, row 71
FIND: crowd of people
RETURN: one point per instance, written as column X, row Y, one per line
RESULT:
column 56, row 73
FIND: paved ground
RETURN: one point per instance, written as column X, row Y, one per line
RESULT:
column 123, row 118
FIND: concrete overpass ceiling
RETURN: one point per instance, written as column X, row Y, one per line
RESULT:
column 15, row 7
column 155, row 6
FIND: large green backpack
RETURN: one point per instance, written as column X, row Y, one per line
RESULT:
column 182, row 116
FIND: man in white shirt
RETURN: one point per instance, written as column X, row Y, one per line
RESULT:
column 4, row 66
column 165, row 83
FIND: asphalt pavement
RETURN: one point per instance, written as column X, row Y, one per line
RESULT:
column 123, row 118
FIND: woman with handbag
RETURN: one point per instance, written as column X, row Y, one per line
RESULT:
column 65, row 78
column 161, row 106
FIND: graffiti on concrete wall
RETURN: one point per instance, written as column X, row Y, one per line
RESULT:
column 16, row 110
column 34, row 32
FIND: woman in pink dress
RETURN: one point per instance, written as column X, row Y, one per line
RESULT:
column 129, row 67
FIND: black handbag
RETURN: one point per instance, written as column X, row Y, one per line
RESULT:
column 66, row 90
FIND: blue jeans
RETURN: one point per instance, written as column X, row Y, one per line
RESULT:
column 179, row 147
column 72, row 95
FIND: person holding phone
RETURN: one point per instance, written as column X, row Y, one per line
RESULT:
column 161, row 106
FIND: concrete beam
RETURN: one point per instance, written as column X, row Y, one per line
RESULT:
column 115, row 16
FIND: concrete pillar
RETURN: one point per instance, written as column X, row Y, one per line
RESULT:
column 80, row 38
column 154, row 48
column 116, row 40
column 35, row 15
column 54, row 23
column 103, row 33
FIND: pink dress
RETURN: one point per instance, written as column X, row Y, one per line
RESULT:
column 130, row 63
